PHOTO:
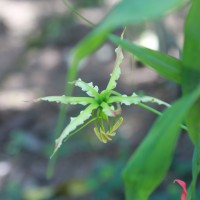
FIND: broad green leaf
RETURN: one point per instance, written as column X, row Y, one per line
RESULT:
column 124, row 13
column 149, row 164
column 88, row 88
column 165, row 65
column 135, row 99
column 191, row 78
column 74, row 123
column 67, row 100
column 191, row 47
column 191, row 70
column 116, row 71
column 134, row 11
column 195, row 173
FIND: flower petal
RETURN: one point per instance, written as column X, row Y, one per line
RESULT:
column 116, row 71
column 135, row 99
column 67, row 100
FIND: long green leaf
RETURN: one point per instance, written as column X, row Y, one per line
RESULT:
column 124, row 13
column 165, row 65
column 129, row 11
column 191, row 47
column 149, row 164
column 191, row 79
column 191, row 70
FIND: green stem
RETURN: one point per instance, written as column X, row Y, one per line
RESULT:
column 90, row 121
column 157, row 113
column 149, row 109
column 73, row 10
column 195, row 173
column 71, row 76
column 58, row 129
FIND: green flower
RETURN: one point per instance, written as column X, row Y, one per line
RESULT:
column 102, row 107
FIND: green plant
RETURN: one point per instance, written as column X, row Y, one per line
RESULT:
column 104, row 104
column 144, row 173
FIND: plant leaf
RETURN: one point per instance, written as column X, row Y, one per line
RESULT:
column 88, row 88
column 191, row 79
column 135, row 99
column 191, row 70
column 68, row 100
column 74, row 123
column 191, row 47
column 165, row 65
column 124, row 13
column 144, row 173
column 134, row 11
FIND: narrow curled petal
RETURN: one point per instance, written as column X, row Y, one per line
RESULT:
column 124, row 99
column 135, row 99
column 89, row 88
column 116, row 71
column 67, row 100
column 183, row 186
column 75, row 122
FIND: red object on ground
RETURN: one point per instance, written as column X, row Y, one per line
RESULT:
column 183, row 185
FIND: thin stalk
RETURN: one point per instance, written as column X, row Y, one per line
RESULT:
column 71, row 76
column 149, row 109
column 157, row 113
column 107, row 123
column 73, row 10
column 90, row 121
